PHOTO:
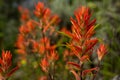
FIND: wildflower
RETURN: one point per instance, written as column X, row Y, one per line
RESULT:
column 35, row 46
column 33, row 37
column 82, row 43
column 24, row 13
column 53, row 56
column 44, row 45
column 5, row 60
column 44, row 64
column 101, row 51
column 81, row 34
column 5, row 64
column 39, row 9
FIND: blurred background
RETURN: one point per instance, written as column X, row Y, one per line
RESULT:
column 107, row 13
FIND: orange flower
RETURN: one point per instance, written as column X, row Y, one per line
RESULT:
column 82, row 31
column 39, row 8
column 52, row 54
column 44, row 64
column 54, row 19
column 46, row 19
column 28, row 27
column 42, row 12
column 49, row 56
column 83, row 15
column 101, row 51
column 46, row 14
column 5, row 60
column 20, row 41
column 24, row 13
column 82, row 27
column 82, row 43
column 20, row 44
column 35, row 45
column 34, row 35
column 44, row 45
column 5, row 63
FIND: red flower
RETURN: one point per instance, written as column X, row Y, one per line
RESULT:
column 5, row 60
column 82, row 43
column 82, row 31
column 39, row 8
column 83, row 15
column 24, row 13
column 44, row 44
column 42, row 12
column 102, row 50
column 5, row 63
column 44, row 64
column 82, row 27
column 52, row 55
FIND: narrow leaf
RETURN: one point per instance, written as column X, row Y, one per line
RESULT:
column 12, row 71
column 76, row 75
column 85, row 72
column 74, row 64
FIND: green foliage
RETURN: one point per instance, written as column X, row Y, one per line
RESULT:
column 8, row 23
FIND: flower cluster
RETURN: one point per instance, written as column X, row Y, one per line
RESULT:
column 34, row 41
column 82, row 43
column 33, row 32
column 34, row 37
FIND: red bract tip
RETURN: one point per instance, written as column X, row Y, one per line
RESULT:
column 102, row 50
column 5, row 63
column 24, row 13
column 39, row 9
column 52, row 55
column 5, row 60
column 82, row 13
column 39, row 6
column 44, row 64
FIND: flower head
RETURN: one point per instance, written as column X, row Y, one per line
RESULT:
column 5, row 60
column 101, row 51
column 24, row 13
column 5, row 64
column 44, row 64
column 82, row 43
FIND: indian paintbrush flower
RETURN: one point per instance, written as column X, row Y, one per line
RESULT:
column 82, row 43
column 101, row 51
column 5, row 64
